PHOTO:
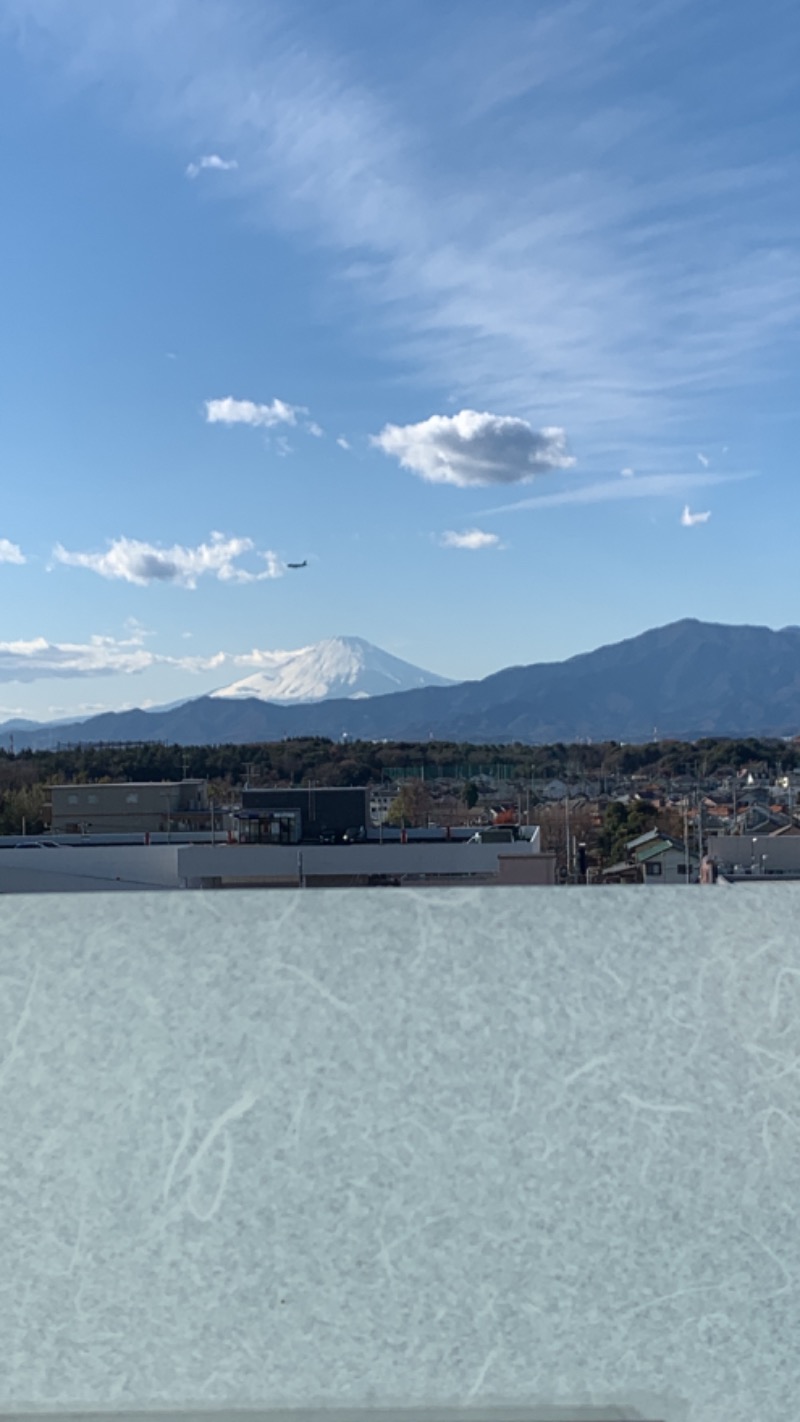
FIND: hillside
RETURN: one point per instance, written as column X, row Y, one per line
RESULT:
column 685, row 680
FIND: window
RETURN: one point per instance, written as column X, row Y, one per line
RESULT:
column 73, row 799
column 92, row 799
column 132, row 799
column 681, row 868
column 653, row 870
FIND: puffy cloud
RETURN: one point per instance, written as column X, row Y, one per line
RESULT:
column 246, row 412
column 212, row 161
column 473, row 538
column 471, row 448
column 131, row 561
column 689, row 519
column 704, row 460
column 10, row 552
column 343, row 443
column 314, row 429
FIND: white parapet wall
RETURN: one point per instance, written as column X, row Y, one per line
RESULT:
column 88, row 867
column 340, row 1154
column 193, row 865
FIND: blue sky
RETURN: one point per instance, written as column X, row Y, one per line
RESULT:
column 489, row 312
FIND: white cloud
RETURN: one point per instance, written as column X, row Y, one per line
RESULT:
column 37, row 659
column 245, row 412
column 314, row 429
column 132, row 561
column 343, row 443
column 283, row 446
column 627, row 473
column 689, row 519
column 10, row 552
column 211, row 161
column 704, row 460
column 471, row 448
column 473, row 538
column 649, row 486
column 592, row 289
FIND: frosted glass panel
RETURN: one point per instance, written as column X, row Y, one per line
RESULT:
column 530, row 1153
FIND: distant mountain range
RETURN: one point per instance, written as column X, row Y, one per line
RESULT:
column 686, row 680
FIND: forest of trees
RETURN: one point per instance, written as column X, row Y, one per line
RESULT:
column 326, row 762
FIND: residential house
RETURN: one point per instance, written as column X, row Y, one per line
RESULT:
column 663, row 859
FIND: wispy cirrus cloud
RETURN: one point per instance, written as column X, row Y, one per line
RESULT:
column 213, row 162
column 690, row 520
column 133, row 561
column 11, row 552
column 472, row 448
column 473, row 539
column 649, row 486
column 577, row 281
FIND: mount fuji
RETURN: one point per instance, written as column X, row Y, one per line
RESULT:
column 339, row 668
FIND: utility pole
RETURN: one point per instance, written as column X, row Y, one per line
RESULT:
column 686, row 838
column 566, row 817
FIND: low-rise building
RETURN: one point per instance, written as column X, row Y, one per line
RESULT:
column 756, row 855
column 130, row 807
column 664, row 860
column 319, row 813
column 654, row 858
column 417, row 863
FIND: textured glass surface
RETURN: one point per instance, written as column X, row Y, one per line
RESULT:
column 521, row 1149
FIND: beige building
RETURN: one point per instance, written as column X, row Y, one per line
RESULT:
column 154, row 806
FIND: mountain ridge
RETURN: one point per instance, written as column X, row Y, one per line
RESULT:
column 685, row 680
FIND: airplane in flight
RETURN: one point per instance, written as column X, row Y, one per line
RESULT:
column 304, row 564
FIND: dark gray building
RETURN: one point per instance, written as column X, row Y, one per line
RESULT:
column 330, row 810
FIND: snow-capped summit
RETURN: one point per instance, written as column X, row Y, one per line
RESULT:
column 338, row 667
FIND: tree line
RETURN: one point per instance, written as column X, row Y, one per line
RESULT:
column 326, row 762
